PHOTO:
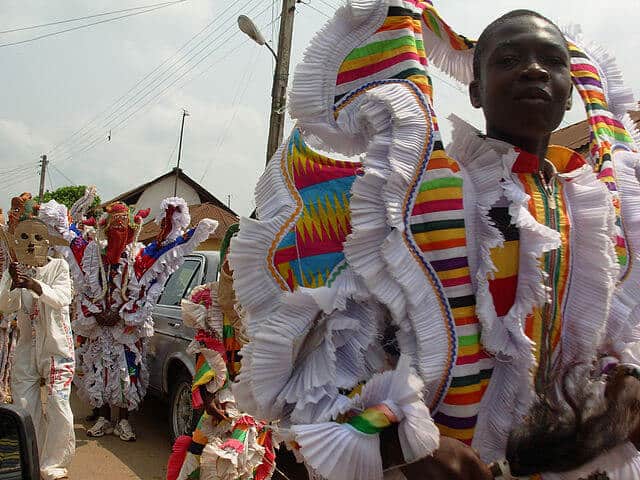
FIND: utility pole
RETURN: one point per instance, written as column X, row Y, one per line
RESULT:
column 175, row 185
column 43, row 172
column 281, row 77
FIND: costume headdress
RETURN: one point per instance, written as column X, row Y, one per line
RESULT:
column 173, row 219
column 362, row 88
column 337, row 240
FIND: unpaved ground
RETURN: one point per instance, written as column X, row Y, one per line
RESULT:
column 109, row 458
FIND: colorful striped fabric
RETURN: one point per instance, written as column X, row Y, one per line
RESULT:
column 232, row 347
column 442, row 30
column 395, row 51
column 608, row 134
column 310, row 252
column 438, row 228
column 544, row 324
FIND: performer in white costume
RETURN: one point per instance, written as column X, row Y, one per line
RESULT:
column 38, row 288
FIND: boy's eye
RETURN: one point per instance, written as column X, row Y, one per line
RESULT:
column 507, row 61
column 555, row 60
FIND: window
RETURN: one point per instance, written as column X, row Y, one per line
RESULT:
column 176, row 287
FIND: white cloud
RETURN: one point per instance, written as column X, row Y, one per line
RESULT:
column 52, row 87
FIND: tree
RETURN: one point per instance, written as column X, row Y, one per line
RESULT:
column 68, row 195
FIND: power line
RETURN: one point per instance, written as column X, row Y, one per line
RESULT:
column 167, row 87
column 86, row 17
column 242, row 88
column 331, row 6
column 316, row 9
column 60, row 32
column 63, row 174
column 123, row 96
column 156, row 81
column 19, row 169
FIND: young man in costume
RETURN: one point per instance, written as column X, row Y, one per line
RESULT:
column 495, row 275
column 118, row 282
column 38, row 288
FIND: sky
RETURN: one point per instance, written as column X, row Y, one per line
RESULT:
column 131, row 78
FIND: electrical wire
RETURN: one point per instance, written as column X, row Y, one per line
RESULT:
column 155, row 81
column 123, row 96
column 86, row 17
column 49, row 178
column 60, row 32
column 63, row 174
column 241, row 90
column 160, row 93
column 16, row 179
column 171, row 154
column 19, row 169
column 316, row 9
column 331, row 6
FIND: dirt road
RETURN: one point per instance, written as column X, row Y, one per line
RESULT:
column 109, row 458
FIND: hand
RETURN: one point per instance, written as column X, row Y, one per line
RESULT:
column 21, row 280
column 452, row 461
column 107, row 319
column 14, row 271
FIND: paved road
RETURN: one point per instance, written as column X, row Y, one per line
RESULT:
column 109, row 458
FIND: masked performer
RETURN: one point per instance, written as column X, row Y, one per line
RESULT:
column 8, row 332
column 483, row 274
column 226, row 444
column 118, row 282
column 38, row 288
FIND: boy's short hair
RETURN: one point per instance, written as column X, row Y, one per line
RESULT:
column 488, row 31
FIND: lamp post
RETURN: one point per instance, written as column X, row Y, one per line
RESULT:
column 281, row 74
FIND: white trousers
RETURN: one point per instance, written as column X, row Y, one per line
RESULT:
column 49, row 408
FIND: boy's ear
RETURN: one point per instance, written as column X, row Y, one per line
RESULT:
column 474, row 94
column 570, row 99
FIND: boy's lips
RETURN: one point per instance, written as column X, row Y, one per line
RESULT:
column 533, row 94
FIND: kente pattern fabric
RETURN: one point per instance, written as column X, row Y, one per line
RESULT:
column 544, row 325
column 608, row 134
column 438, row 227
column 311, row 251
column 395, row 50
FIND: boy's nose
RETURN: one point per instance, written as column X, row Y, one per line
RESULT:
column 534, row 70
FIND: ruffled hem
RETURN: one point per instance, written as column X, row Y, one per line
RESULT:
column 397, row 119
column 137, row 311
column 594, row 265
column 339, row 451
column 313, row 89
column 257, row 290
column 104, row 377
column 454, row 62
column 619, row 97
column 503, row 336
column 624, row 317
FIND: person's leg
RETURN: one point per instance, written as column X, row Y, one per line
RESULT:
column 59, row 442
column 25, row 388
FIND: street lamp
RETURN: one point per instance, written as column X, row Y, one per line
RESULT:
column 251, row 30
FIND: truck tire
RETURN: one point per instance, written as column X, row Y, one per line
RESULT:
column 182, row 417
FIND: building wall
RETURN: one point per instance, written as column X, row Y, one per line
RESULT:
column 157, row 192
column 210, row 244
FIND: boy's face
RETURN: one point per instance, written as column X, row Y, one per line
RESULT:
column 524, row 86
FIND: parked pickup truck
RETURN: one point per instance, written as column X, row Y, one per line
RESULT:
column 171, row 368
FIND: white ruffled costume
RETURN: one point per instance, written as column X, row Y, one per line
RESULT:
column 111, row 359
column 317, row 313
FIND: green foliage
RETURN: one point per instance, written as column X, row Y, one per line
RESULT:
column 68, row 195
